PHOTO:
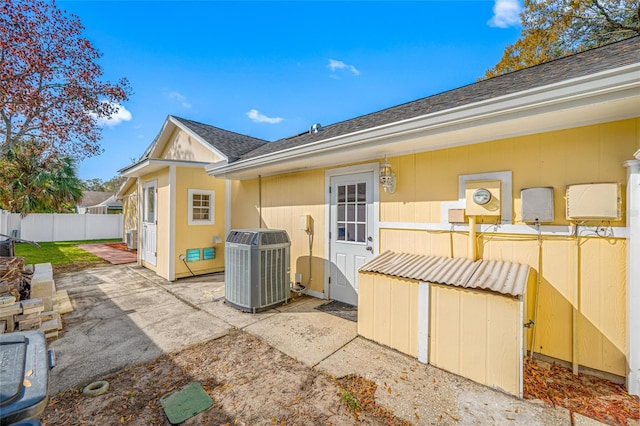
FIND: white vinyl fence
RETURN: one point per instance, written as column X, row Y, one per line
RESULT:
column 42, row 227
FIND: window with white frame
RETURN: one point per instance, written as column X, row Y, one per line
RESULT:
column 201, row 207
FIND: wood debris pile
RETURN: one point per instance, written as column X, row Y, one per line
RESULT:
column 14, row 281
column 590, row 396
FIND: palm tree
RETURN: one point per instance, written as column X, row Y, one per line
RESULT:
column 33, row 182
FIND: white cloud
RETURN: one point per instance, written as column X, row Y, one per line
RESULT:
column 256, row 117
column 177, row 96
column 120, row 116
column 506, row 13
column 339, row 65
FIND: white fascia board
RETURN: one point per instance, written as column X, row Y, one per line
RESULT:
column 204, row 143
column 150, row 165
column 608, row 85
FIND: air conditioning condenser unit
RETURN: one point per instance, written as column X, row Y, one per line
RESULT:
column 257, row 268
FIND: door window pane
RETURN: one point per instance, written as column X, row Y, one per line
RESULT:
column 149, row 211
column 351, row 212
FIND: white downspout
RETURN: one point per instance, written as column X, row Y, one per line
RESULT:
column 633, row 276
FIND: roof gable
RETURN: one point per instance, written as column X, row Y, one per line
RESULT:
column 232, row 145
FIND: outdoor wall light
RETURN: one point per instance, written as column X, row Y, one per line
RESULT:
column 387, row 176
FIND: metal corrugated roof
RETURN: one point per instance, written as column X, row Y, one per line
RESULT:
column 495, row 275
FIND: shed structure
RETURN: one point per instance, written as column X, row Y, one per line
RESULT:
column 460, row 315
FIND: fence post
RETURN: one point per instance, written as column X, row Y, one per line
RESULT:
column 3, row 222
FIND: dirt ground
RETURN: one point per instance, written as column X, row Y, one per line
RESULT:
column 250, row 382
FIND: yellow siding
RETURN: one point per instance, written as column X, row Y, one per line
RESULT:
column 476, row 335
column 388, row 311
column 182, row 146
column 244, row 204
column 130, row 210
column 548, row 159
column 425, row 180
column 198, row 236
column 284, row 199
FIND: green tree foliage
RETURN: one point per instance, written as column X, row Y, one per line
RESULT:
column 97, row 184
column 50, row 82
column 32, row 182
column 555, row 28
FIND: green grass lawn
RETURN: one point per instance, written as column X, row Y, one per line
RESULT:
column 58, row 253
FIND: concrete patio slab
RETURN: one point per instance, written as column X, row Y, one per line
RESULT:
column 304, row 333
column 121, row 318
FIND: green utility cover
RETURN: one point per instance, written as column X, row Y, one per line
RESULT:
column 182, row 404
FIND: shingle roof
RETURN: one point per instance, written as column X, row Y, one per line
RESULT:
column 92, row 198
column 604, row 58
column 494, row 275
column 231, row 144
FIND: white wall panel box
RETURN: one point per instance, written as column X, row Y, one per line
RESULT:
column 594, row 201
column 537, row 205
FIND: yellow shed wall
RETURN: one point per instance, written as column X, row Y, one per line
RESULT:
column 476, row 335
column 388, row 311
column 198, row 236
column 557, row 159
column 182, row 146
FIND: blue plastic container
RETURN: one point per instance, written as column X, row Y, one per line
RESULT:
column 24, row 375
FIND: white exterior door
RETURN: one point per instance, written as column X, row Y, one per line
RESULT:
column 149, row 221
column 351, row 234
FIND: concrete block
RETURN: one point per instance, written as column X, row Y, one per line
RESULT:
column 30, row 306
column 30, row 324
column 42, row 267
column 61, row 302
column 44, row 290
column 49, row 326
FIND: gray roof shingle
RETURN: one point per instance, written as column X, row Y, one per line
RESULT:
column 231, row 144
column 604, row 58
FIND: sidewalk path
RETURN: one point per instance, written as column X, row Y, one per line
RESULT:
column 110, row 254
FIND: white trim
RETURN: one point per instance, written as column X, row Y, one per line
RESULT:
column 150, row 165
column 139, row 221
column 328, row 174
column 212, row 207
column 504, row 177
column 424, row 307
column 500, row 228
column 633, row 276
column 522, row 349
column 227, row 209
column 171, row 272
column 316, row 294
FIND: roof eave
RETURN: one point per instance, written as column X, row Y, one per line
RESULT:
column 572, row 94
column 150, row 165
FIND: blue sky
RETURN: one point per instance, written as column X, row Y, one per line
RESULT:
column 272, row 69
